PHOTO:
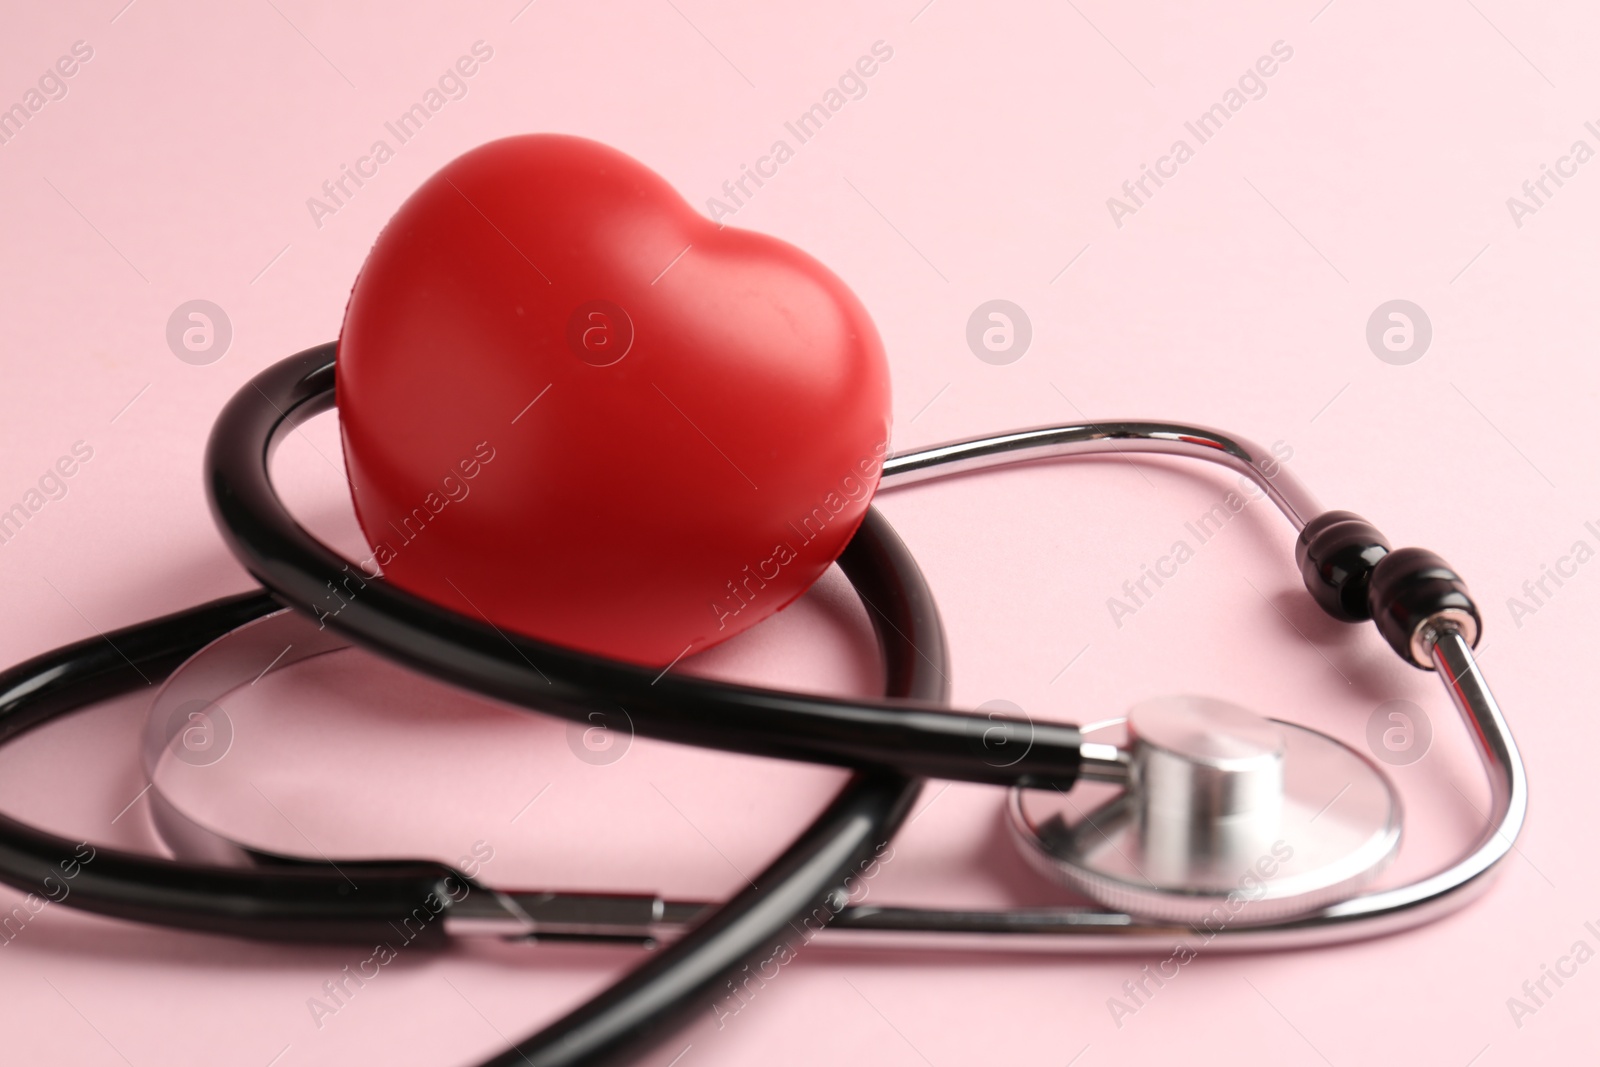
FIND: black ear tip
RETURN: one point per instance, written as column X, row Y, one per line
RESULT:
column 1337, row 552
column 1413, row 587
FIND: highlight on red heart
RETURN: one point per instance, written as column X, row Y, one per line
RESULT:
column 690, row 419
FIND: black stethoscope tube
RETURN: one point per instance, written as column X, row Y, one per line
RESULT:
column 660, row 995
column 314, row 901
column 916, row 737
column 296, row 903
column 898, row 741
column 664, row 992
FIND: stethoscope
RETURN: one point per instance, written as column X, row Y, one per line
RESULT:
column 1190, row 818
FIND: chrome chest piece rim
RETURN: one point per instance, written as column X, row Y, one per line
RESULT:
column 1227, row 819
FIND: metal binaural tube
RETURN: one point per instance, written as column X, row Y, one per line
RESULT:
column 1101, row 438
column 1094, row 930
column 1365, row 915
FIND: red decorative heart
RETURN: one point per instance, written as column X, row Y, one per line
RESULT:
column 575, row 407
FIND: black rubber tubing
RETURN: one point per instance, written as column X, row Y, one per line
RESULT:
column 916, row 736
column 380, row 899
column 315, row 903
column 300, row 903
column 658, row 996
column 807, row 883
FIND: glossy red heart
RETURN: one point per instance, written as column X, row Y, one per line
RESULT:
column 574, row 406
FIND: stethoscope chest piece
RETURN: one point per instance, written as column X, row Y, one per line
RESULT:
column 1226, row 818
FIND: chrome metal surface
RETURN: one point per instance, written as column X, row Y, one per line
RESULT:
column 1203, row 762
column 1103, row 763
column 1117, row 437
column 1251, row 820
column 1428, row 630
column 571, row 916
column 190, row 711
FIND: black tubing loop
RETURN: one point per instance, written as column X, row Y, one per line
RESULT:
column 774, row 918
column 915, row 734
column 807, row 880
column 399, row 901
column 772, row 921
column 363, row 902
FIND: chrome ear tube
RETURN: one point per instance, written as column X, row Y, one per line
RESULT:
column 1344, row 563
column 1423, row 613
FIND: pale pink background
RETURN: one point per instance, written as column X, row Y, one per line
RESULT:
column 977, row 166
